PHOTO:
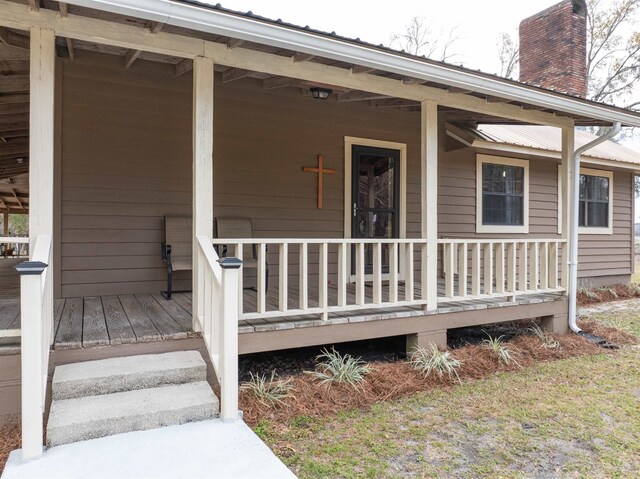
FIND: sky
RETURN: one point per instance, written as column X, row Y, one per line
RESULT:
column 478, row 24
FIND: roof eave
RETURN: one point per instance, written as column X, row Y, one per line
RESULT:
column 205, row 19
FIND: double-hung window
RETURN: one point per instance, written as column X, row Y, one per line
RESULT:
column 502, row 194
column 594, row 214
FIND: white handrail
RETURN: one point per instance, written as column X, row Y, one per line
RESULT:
column 14, row 239
column 219, row 321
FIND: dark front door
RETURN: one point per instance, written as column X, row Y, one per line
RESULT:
column 375, row 199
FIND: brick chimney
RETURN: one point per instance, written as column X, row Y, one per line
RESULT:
column 553, row 48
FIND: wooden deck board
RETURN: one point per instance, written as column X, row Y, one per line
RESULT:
column 9, row 314
column 178, row 313
column 118, row 326
column 142, row 325
column 94, row 325
column 162, row 320
column 69, row 333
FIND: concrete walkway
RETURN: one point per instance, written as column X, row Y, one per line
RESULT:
column 206, row 449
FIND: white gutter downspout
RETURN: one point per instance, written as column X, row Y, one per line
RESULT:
column 573, row 231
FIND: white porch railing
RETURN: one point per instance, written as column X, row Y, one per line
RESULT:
column 219, row 321
column 489, row 268
column 340, row 261
column 36, row 313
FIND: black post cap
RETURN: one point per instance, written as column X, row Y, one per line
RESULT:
column 230, row 263
column 31, row 267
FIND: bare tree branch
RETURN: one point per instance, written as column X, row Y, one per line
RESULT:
column 419, row 38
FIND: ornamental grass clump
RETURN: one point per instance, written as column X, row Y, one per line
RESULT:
column 335, row 368
column 432, row 360
column 270, row 392
column 503, row 352
column 545, row 338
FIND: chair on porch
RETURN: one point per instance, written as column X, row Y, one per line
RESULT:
column 240, row 228
column 177, row 249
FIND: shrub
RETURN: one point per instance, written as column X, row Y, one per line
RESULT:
column 589, row 294
column 335, row 368
column 432, row 360
column 545, row 338
column 504, row 353
column 269, row 392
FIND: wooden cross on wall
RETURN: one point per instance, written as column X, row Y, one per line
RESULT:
column 320, row 170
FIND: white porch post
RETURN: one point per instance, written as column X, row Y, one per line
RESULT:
column 202, row 174
column 41, row 147
column 569, row 210
column 429, row 187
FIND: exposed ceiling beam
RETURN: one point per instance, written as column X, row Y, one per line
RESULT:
column 392, row 103
column 453, row 89
column 131, row 57
column 15, row 195
column 302, row 57
column 13, row 39
column 360, row 96
column 184, row 66
column 234, row 43
column 34, row 5
column 358, row 69
column 64, row 9
column 233, row 74
column 155, row 27
column 497, row 99
column 277, row 82
column 413, row 81
column 70, row 48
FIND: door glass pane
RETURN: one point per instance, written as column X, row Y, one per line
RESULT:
column 375, row 198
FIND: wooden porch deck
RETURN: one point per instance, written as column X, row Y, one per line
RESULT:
column 112, row 320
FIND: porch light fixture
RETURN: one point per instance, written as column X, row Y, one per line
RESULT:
column 320, row 93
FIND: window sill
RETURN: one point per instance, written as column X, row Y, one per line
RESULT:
column 502, row 229
column 590, row 230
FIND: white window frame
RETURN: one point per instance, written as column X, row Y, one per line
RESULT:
column 589, row 230
column 500, row 229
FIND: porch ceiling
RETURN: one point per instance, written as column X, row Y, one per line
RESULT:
column 69, row 47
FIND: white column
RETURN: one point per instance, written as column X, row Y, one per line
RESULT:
column 202, row 174
column 41, row 147
column 41, row 133
column 429, row 190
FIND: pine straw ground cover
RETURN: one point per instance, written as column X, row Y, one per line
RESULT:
column 400, row 424
column 9, row 440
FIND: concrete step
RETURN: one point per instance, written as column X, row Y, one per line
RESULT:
column 90, row 417
column 108, row 376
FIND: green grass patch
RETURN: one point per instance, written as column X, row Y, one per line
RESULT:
column 571, row 418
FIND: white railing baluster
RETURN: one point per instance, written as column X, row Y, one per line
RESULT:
column 377, row 273
column 408, row 273
column 304, row 276
column 261, row 280
column 360, row 265
column 393, row 273
column 544, row 265
column 449, row 279
column 533, row 265
column 283, row 277
column 462, row 269
column 475, row 269
column 564, row 265
column 323, row 278
column 424, row 271
column 522, row 266
column 239, row 249
column 499, row 252
column 553, row 265
column 343, row 273
column 511, row 267
column 487, row 273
